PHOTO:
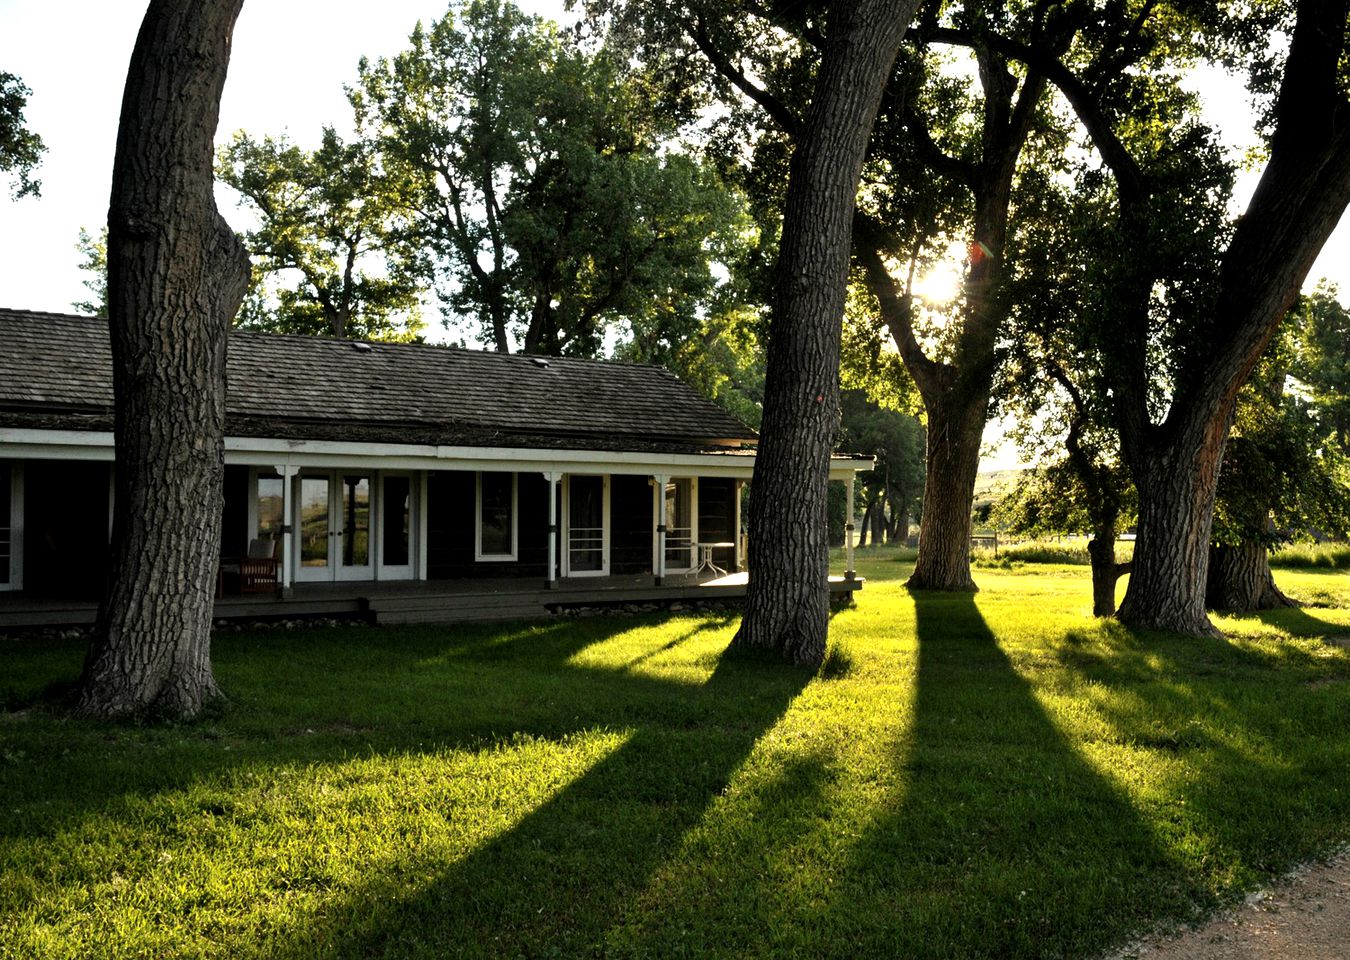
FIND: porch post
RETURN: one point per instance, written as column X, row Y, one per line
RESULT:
column 423, row 481
column 287, row 538
column 552, row 479
column 659, row 482
column 849, row 572
column 736, row 525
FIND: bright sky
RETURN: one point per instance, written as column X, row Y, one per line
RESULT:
column 289, row 63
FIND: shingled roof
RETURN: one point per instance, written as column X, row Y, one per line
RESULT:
column 56, row 370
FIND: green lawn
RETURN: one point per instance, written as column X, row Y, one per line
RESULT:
column 994, row 776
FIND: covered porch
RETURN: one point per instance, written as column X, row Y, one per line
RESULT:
column 433, row 602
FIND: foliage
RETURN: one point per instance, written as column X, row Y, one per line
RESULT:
column 329, row 235
column 543, row 181
column 624, row 786
column 897, row 441
column 1312, row 556
column 1285, row 473
column 20, row 149
column 1052, row 500
column 1322, row 362
column 93, row 251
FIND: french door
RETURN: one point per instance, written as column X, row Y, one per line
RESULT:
column 333, row 514
column 586, row 526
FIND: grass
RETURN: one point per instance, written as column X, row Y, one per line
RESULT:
column 987, row 776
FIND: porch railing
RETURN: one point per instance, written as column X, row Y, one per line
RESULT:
column 680, row 547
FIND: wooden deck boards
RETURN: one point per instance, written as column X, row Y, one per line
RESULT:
column 421, row 601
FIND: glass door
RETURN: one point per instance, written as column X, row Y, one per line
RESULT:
column 353, row 528
column 681, row 527
column 334, row 511
column 587, row 533
column 314, row 525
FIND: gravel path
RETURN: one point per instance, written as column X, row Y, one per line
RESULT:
column 1303, row 917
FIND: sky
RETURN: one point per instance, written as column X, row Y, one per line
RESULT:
column 289, row 62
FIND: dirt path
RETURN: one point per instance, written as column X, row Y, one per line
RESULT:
column 1303, row 917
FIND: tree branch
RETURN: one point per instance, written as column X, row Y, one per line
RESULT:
column 777, row 110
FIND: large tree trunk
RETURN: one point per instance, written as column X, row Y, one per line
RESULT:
column 176, row 277
column 1240, row 579
column 1171, row 549
column 787, row 601
column 955, row 430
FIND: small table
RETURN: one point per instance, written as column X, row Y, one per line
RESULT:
column 705, row 559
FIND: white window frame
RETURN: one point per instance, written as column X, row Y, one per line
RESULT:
column 15, row 580
column 478, row 553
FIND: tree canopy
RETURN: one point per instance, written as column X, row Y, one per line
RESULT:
column 20, row 148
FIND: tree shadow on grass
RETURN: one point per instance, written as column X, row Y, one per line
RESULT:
column 978, row 831
column 551, row 884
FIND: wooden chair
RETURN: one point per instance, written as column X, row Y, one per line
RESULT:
column 257, row 572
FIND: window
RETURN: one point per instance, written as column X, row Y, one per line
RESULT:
column 397, row 526
column 495, row 531
column 6, row 532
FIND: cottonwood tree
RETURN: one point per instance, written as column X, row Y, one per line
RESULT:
column 330, row 235
column 542, row 180
column 1211, row 337
column 1284, row 472
column 895, row 485
column 177, row 274
column 93, row 250
column 20, row 148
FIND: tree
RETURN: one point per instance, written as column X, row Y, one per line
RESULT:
column 542, row 181
column 1206, row 338
column 94, row 262
column 328, row 218
column 1284, row 471
column 787, row 601
column 896, row 483
column 176, row 276
column 20, row 149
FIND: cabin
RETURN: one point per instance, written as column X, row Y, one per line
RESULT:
column 404, row 482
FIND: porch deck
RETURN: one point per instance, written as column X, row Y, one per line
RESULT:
column 424, row 601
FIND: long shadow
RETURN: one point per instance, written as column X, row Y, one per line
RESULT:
column 549, row 885
column 395, row 692
column 1005, row 842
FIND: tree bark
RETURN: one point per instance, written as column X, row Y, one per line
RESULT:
column 1105, row 572
column 787, row 600
column 1240, row 579
column 177, row 275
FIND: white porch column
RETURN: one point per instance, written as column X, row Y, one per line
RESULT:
column 736, row 559
column 849, row 572
column 659, row 482
column 552, row 479
column 288, row 558
column 422, row 479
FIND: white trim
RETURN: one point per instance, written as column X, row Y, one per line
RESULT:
column 251, row 451
column 567, row 529
column 15, row 579
column 478, row 555
column 423, row 483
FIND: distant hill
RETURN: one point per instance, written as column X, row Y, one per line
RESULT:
column 994, row 484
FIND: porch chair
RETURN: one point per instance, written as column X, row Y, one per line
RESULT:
column 257, row 572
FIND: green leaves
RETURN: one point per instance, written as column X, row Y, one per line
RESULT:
column 20, row 149
column 541, row 182
column 331, row 238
